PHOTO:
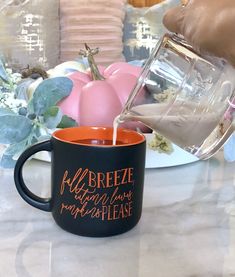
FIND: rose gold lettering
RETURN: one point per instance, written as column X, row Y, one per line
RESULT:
column 74, row 211
column 115, row 212
column 116, row 178
column 92, row 179
column 104, row 212
column 130, row 208
column 70, row 183
column 109, row 213
column 125, row 210
column 109, row 178
column 76, row 188
column 124, row 176
column 64, row 181
column 120, row 196
column 91, row 202
column 100, row 180
column 121, row 213
column 130, row 175
column 96, row 213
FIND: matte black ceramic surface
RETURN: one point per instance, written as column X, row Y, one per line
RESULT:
column 96, row 190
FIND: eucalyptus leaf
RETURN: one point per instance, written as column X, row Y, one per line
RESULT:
column 30, row 107
column 51, row 111
column 41, row 131
column 3, row 73
column 49, row 93
column 52, row 117
column 16, row 149
column 14, row 128
column 66, row 122
column 43, row 138
column 5, row 111
column 22, row 88
column 7, row 161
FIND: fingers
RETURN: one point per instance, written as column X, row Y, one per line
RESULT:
column 173, row 19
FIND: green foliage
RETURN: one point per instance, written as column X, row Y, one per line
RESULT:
column 3, row 73
column 21, row 89
column 53, row 117
column 49, row 93
column 7, row 161
column 8, row 79
column 66, row 122
column 25, row 125
column 14, row 128
column 5, row 111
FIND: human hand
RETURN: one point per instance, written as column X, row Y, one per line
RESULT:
column 208, row 25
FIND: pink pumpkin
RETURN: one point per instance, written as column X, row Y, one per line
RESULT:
column 97, row 99
column 122, row 67
column 70, row 105
column 99, row 104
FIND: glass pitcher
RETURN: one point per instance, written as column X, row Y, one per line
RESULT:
column 185, row 97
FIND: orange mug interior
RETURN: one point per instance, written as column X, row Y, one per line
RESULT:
column 74, row 134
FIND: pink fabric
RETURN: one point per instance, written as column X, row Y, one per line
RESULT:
column 99, row 23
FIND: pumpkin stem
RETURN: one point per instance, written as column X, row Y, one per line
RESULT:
column 89, row 54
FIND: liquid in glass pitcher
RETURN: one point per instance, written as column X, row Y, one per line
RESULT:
column 185, row 97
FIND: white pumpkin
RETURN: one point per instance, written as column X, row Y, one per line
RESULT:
column 63, row 69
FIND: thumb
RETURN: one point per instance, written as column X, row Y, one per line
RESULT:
column 173, row 19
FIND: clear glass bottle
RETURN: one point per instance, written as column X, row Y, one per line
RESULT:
column 185, row 97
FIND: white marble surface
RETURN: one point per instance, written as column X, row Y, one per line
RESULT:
column 187, row 229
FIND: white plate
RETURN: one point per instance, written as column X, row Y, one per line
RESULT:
column 155, row 159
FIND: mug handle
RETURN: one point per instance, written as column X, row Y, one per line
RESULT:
column 32, row 199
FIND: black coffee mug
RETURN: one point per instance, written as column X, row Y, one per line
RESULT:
column 97, row 187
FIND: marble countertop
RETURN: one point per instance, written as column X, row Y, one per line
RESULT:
column 187, row 229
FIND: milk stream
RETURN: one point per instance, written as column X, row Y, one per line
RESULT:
column 116, row 122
